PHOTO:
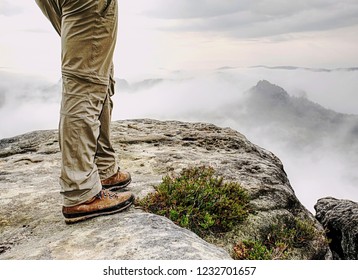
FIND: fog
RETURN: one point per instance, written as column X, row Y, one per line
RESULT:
column 27, row 103
column 317, row 146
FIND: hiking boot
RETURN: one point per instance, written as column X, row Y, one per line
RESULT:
column 104, row 203
column 117, row 181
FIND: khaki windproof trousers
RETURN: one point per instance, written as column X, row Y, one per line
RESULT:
column 88, row 30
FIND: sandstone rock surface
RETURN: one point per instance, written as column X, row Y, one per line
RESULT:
column 31, row 223
column 340, row 219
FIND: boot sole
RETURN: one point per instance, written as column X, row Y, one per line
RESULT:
column 126, row 205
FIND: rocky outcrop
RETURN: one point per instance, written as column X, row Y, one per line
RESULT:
column 340, row 220
column 31, row 223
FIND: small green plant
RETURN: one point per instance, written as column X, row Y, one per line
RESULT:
column 277, row 242
column 199, row 200
column 293, row 232
column 251, row 250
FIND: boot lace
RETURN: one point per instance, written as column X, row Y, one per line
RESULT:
column 105, row 193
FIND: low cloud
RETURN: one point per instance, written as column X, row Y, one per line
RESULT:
column 27, row 103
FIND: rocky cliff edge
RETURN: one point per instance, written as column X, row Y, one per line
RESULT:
column 32, row 226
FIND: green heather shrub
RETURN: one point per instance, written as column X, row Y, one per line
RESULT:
column 277, row 242
column 292, row 232
column 199, row 200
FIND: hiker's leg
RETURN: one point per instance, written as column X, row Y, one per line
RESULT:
column 88, row 34
column 106, row 157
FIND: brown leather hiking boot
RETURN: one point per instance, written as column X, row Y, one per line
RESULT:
column 104, row 203
column 117, row 181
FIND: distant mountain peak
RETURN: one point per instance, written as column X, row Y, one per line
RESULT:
column 266, row 84
column 265, row 88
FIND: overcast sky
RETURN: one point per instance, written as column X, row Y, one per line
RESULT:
column 158, row 37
